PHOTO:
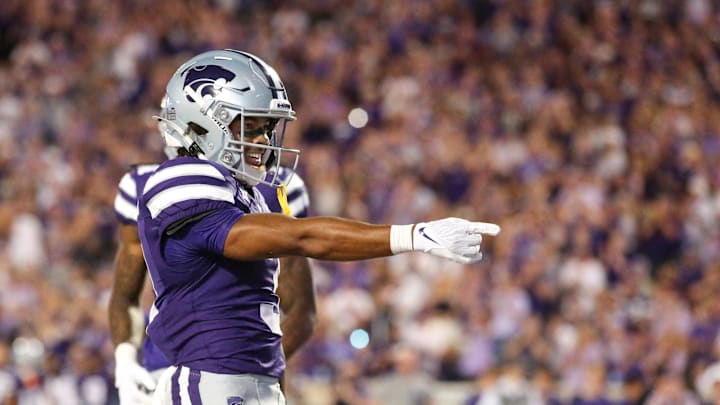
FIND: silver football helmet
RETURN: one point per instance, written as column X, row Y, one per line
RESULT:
column 213, row 89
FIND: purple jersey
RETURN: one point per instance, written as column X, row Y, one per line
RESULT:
column 211, row 313
column 133, row 182
column 297, row 194
column 126, row 211
column 130, row 187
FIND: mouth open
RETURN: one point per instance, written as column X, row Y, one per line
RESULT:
column 253, row 159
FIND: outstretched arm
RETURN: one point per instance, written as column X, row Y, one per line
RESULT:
column 297, row 302
column 260, row 236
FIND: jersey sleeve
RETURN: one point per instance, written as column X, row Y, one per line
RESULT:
column 125, row 205
column 205, row 234
column 298, row 197
column 184, row 190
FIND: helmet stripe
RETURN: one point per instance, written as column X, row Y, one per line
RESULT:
column 276, row 85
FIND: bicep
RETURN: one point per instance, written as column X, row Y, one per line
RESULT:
column 262, row 236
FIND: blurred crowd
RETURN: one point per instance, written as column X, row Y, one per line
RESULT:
column 589, row 130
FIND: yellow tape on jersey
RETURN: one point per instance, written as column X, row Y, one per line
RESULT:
column 282, row 199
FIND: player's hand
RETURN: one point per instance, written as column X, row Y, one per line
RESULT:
column 452, row 238
column 134, row 383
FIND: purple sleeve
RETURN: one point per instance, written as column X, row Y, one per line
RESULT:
column 206, row 234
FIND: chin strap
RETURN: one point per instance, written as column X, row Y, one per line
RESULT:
column 282, row 199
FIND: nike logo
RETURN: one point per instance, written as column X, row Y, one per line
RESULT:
column 424, row 235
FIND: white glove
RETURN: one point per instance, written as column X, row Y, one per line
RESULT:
column 451, row 238
column 134, row 383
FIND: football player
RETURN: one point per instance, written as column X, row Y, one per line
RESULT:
column 211, row 243
column 134, row 381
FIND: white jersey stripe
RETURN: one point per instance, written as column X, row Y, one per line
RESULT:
column 127, row 185
column 295, row 183
column 142, row 169
column 298, row 204
column 187, row 192
column 184, row 383
column 182, row 171
column 153, row 309
column 125, row 209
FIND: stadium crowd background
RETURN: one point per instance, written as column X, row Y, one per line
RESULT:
column 589, row 130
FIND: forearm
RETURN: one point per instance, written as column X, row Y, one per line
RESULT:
column 120, row 320
column 297, row 302
column 326, row 238
column 127, row 326
column 297, row 329
column 124, row 314
column 338, row 239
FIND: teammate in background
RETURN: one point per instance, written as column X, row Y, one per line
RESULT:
column 127, row 323
column 211, row 243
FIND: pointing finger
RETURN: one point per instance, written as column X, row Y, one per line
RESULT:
column 484, row 228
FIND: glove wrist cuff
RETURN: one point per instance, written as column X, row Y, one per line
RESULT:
column 126, row 351
column 401, row 238
column 137, row 325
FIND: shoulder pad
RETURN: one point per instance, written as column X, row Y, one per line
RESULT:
column 298, row 196
column 126, row 199
column 187, row 185
column 129, row 188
